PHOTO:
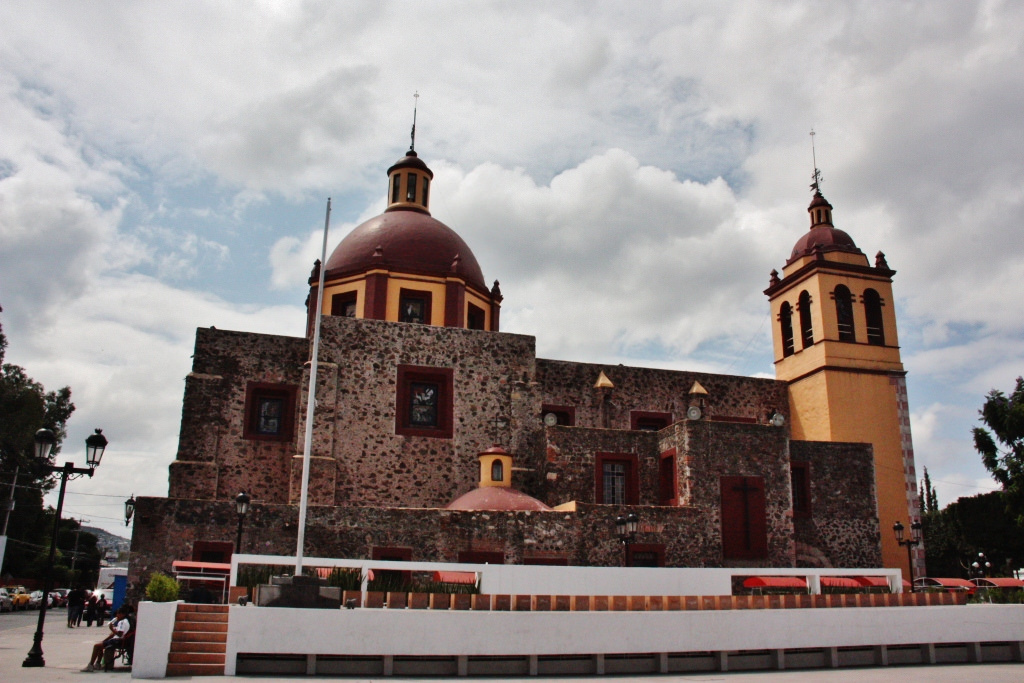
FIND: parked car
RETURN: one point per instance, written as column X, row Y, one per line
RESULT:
column 35, row 600
column 19, row 596
column 59, row 597
column 5, row 601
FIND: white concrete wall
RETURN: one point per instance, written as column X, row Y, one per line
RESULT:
column 517, row 579
column 452, row 633
column 154, row 626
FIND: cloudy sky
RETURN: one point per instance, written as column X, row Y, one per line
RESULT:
column 631, row 173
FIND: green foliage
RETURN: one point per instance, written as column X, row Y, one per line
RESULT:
column 345, row 579
column 162, row 588
column 953, row 537
column 398, row 582
column 27, row 407
column 252, row 575
column 1002, row 448
column 929, row 501
column 1005, row 596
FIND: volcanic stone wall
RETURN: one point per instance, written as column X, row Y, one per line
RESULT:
column 843, row 529
column 214, row 459
column 165, row 529
column 713, row 450
column 356, row 410
column 645, row 389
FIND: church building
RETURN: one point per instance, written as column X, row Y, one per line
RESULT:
column 439, row 437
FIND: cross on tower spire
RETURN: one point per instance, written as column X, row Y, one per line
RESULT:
column 816, row 176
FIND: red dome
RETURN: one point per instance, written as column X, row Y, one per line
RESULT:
column 407, row 241
column 496, row 498
column 826, row 238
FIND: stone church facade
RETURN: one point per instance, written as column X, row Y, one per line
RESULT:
column 417, row 385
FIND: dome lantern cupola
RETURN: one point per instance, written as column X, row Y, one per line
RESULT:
column 820, row 210
column 409, row 184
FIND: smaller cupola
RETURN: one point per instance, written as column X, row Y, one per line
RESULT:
column 409, row 183
column 495, row 467
column 820, row 210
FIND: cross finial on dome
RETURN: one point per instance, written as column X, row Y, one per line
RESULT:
column 415, row 101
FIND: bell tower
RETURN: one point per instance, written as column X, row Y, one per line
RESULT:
column 835, row 341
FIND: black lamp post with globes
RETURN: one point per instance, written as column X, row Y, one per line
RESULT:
column 242, row 508
column 626, row 527
column 911, row 543
column 45, row 441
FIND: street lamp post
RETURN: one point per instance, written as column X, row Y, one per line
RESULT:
column 129, row 510
column 911, row 543
column 980, row 566
column 625, row 527
column 242, row 507
column 45, row 442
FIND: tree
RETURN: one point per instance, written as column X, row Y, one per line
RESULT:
column 929, row 501
column 953, row 537
column 27, row 407
column 1002, row 449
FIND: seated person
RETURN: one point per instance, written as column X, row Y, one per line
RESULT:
column 119, row 626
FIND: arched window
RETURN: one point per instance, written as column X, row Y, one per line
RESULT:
column 844, row 314
column 873, row 313
column 806, row 330
column 497, row 471
column 410, row 190
column 786, row 322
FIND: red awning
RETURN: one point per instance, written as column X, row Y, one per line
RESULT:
column 774, row 582
column 873, row 581
column 998, row 583
column 840, row 582
column 455, row 577
column 201, row 567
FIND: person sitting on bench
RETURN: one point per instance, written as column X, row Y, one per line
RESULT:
column 119, row 626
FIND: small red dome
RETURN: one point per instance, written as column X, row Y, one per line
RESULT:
column 499, row 498
column 407, row 241
column 823, row 237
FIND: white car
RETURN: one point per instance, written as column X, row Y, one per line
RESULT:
column 35, row 600
column 6, row 605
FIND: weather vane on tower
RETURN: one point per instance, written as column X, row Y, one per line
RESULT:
column 412, row 143
column 816, row 185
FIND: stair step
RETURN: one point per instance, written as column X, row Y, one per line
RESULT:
column 202, row 616
column 200, row 627
column 196, row 646
column 200, row 636
column 202, row 608
column 195, row 669
column 195, row 658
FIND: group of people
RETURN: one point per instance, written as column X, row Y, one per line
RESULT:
column 91, row 607
column 122, row 628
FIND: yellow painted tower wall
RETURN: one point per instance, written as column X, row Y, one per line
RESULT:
column 850, row 391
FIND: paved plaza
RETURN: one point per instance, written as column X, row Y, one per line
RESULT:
column 67, row 651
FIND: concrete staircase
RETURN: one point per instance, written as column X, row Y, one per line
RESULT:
column 199, row 641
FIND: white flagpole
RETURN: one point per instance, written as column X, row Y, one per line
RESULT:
column 311, row 400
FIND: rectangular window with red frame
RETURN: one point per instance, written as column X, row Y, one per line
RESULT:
column 649, row 421
column 668, row 486
column 423, row 402
column 615, row 478
column 269, row 411
column 800, row 479
column 414, row 306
